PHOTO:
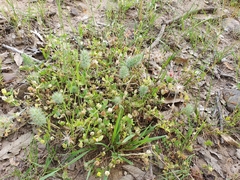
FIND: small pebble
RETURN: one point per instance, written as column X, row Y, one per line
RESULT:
column 74, row 11
column 231, row 25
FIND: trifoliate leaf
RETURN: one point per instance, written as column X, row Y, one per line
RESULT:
column 57, row 97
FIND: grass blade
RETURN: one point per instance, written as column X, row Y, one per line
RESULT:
column 127, row 139
column 67, row 164
column 117, row 128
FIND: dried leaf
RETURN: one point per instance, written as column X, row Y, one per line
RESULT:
column 172, row 100
column 179, row 60
column 235, row 169
column 228, row 66
column 196, row 173
column 127, row 177
column 128, row 33
column 10, row 149
column 212, row 161
column 230, row 140
column 13, row 162
column 38, row 35
column 3, row 56
column 18, row 59
column 238, row 153
column 6, row 69
column 9, row 77
column 137, row 173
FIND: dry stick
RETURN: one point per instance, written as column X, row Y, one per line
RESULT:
column 218, row 104
column 196, row 11
column 4, row 69
column 20, row 52
column 159, row 36
column 150, row 163
column 157, row 155
column 91, row 8
column 37, row 34
column 228, row 76
column 102, row 24
column 125, row 92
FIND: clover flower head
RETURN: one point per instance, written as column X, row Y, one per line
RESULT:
column 133, row 61
column 85, row 60
column 143, row 90
column 57, row 97
column 37, row 116
column 124, row 72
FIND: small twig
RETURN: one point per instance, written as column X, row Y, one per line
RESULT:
column 5, row 69
column 218, row 104
column 2, row 21
column 37, row 34
column 166, row 23
column 196, row 11
column 156, row 42
column 150, row 163
column 133, row 154
column 159, row 158
column 84, row 18
column 12, row 48
column 20, row 52
column 228, row 76
column 125, row 92
column 91, row 8
column 102, row 24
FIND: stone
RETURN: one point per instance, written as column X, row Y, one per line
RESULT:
column 74, row 11
column 231, row 25
column 232, row 98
